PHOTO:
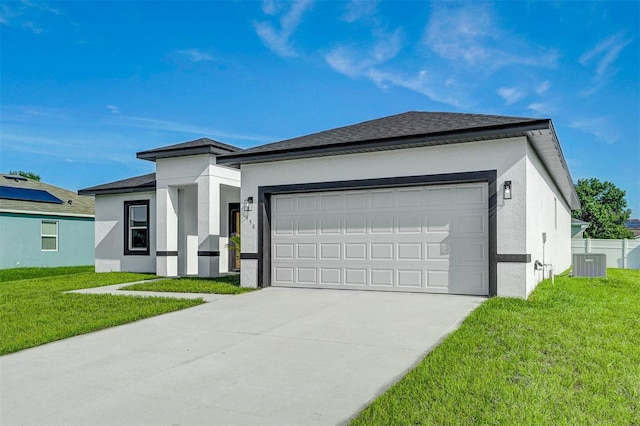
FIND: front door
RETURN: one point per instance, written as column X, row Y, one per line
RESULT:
column 234, row 231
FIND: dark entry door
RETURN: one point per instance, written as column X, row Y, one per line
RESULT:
column 234, row 230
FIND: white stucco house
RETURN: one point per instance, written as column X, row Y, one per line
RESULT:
column 176, row 221
column 415, row 202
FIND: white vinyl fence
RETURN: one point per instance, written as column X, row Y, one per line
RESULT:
column 620, row 253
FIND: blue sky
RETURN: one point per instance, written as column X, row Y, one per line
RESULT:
column 86, row 85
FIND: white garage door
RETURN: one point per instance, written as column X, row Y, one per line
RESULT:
column 420, row 239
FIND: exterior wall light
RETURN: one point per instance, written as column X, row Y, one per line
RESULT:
column 506, row 190
column 248, row 204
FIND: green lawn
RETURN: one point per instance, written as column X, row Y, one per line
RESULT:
column 26, row 273
column 229, row 284
column 35, row 311
column 569, row 355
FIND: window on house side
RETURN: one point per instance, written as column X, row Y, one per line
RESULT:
column 136, row 218
column 49, row 236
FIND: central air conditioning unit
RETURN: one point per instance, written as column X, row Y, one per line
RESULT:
column 590, row 265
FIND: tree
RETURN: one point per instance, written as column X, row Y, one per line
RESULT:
column 604, row 207
column 29, row 175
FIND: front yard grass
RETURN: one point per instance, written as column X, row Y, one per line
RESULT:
column 36, row 311
column 15, row 274
column 568, row 355
column 229, row 284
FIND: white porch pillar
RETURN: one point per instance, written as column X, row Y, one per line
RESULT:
column 208, row 226
column 167, row 231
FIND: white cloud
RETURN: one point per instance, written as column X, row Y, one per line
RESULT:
column 43, row 6
column 269, row 7
column 605, row 53
column 597, row 126
column 358, row 9
column 195, row 55
column 511, row 94
column 541, row 108
column 344, row 62
column 33, row 27
column 374, row 62
column 157, row 124
column 278, row 39
column 114, row 109
column 543, row 87
column 470, row 33
column 25, row 14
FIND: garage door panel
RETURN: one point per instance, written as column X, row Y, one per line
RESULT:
column 355, row 224
column 283, row 226
column 382, row 224
column 470, row 195
column 307, row 203
column 331, row 202
column 355, row 277
column 410, row 224
column 409, row 198
column 382, row 277
column 465, row 224
column 307, row 251
column 410, row 278
column 307, row 276
column 330, row 276
column 284, row 204
column 382, row 251
column 356, row 201
column 409, row 251
column 425, row 239
column 437, row 280
column 283, row 251
column 438, row 251
column 437, row 222
column 355, row 251
column 468, row 280
column 283, row 275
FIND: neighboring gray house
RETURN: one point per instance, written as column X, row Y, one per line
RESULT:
column 43, row 225
column 415, row 202
column 578, row 227
column 419, row 202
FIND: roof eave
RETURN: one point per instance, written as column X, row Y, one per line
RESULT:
column 545, row 142
column 153, row 155
column 90, row 191
column 493, row 132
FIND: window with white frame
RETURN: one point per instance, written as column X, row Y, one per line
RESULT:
column 49, row 235
column 136, row 219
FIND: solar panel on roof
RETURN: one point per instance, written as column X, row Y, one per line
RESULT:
column 27, row 194
column 16, row 178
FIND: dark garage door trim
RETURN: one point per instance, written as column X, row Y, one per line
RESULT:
column 266, row 192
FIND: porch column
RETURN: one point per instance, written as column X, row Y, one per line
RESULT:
column 167, row 231
column 208, row 226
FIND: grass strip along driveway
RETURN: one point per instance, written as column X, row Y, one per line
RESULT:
column 568, row 355
column 36, row 311
column 229, row 284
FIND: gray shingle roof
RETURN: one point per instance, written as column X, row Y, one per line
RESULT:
column 81, row 205
column 135, row 184
column 410, row 124
column 198, row 146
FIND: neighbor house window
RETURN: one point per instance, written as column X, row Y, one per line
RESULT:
column 136, row 219
column 49, row 235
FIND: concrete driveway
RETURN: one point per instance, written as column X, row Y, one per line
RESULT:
column 276, row 356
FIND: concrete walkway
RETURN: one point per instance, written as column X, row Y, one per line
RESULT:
column 115, row 289
column 276, row 356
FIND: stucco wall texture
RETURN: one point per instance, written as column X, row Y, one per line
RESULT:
column 520, row 220
column 21, row 241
